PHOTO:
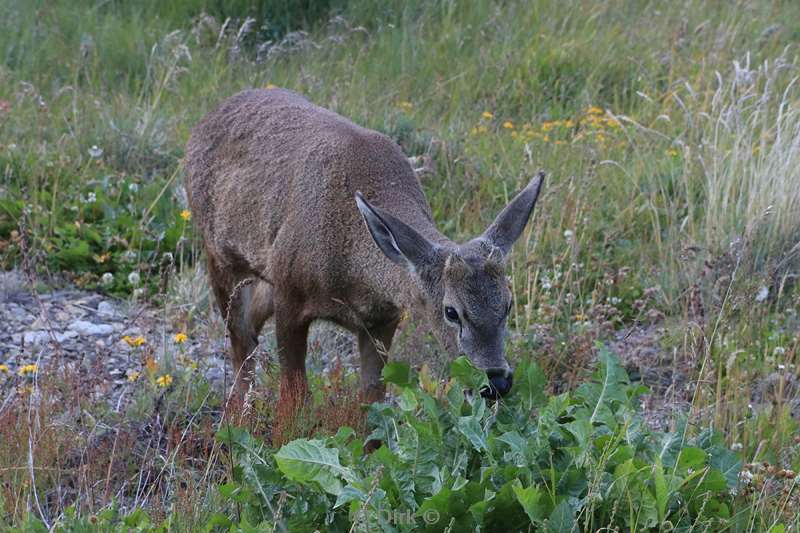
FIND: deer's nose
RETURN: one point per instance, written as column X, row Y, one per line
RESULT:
column 500, row 382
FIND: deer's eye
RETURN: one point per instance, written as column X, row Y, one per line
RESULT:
column 452, row 315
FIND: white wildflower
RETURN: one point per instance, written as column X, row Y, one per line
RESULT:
column 762, row 294
column 134, row 279
column 95, row 151
column 107, row 279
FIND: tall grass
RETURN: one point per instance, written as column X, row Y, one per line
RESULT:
column 752, row 162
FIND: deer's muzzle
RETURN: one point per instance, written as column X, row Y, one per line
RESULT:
column 500, row 382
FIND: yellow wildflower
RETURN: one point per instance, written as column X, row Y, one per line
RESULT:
column 580, row 317
column 487, row 115
column 180, row 338
column 569, row 123
column 270, row 86
column 134, row 341
column 164, row 381
column 186, row 215
column 508, row 125
column 28, row 369
column 594, row 110
column 514, row 135
column 406, row 105
column 482, row 129
column 4, row 369
column 547, row 126
column 672, row 152
column 133, row 375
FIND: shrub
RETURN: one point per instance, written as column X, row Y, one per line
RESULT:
column 450, row 461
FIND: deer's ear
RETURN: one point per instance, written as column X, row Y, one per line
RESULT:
column 397, row 240
column 511, row 221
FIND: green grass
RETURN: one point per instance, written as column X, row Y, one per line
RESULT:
column 675, row 198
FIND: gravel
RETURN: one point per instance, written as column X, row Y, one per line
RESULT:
column 86, row 329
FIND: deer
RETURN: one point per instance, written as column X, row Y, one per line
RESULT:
column 305, row 216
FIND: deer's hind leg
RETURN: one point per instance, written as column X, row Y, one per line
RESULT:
column 245, row 306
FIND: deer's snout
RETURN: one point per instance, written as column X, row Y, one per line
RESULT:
column 500, row 382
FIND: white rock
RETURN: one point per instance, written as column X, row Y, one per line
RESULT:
column 37, row 337
column 106, row 309
column 83, row 327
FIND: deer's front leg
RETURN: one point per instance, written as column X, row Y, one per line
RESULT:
column 373, row 347
column 291, row 335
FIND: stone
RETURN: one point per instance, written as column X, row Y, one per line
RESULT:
column 39, row 337
column 84, row 327
column 106, row 309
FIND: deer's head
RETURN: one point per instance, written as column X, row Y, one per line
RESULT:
column 464, row 287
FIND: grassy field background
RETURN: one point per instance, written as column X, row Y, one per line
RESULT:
column 669, row 132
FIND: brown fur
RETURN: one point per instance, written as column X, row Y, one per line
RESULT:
column 271, row 180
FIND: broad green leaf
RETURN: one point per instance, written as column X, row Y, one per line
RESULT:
column 506, row 513
column 217, row 520
column 661, row 491
column 727, row 462
column 397, row 373
column 562, row 519
column 470, row 427
column 691, row 458
column 581, row 429
column 518, row 446
column 438, row 511
column 407, row 400
column 465, row 373
column 234, row 492
column 348, row 494
column 529, row 498
column 529, row 385
column 711, row 480
column 305, row 461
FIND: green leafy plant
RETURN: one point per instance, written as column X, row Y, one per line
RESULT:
column 450, row 461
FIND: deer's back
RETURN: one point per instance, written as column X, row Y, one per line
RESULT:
column 271, row 179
